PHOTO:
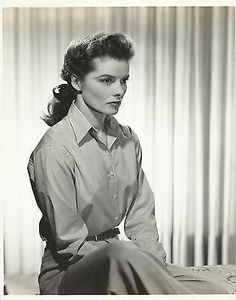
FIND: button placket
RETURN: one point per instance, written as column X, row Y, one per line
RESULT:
column 112, row 181
column 113, row 187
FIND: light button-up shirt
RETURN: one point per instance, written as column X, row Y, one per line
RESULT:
column 84, row 187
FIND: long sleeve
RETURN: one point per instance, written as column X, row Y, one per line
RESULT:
column 140, row 223
column 51, row 172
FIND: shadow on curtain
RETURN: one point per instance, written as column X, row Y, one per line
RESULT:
column 180, row 101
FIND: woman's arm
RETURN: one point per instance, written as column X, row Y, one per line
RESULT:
column 140, row 223
column 51, row 172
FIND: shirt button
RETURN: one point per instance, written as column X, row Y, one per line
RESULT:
column 112, row 174
column 115, row 196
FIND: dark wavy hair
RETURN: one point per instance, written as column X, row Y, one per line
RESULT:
column 78, row 62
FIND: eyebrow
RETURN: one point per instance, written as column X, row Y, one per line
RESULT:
column 108, row 75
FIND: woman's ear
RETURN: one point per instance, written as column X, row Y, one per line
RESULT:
column 75, row 83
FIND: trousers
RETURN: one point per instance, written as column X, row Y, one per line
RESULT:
column 122, row 268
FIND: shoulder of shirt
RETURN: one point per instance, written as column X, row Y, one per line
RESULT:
column 56, row 137
column 126, row 130
column 130, row 133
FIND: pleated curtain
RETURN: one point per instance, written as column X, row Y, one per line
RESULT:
column 180, row 101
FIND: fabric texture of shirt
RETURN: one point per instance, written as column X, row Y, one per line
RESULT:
column 84, row 187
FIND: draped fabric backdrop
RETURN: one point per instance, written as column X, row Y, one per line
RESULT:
column 180, row 101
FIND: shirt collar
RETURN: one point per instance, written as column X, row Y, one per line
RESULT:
column 78, row 121
column 81, row 125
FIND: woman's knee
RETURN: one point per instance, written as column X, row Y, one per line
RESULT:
column 119, row 250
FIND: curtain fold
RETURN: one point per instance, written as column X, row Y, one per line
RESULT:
column 180, row 101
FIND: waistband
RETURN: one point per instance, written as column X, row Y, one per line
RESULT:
column 108, row 234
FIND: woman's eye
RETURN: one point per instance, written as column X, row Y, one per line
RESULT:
column 110, row 81
column 107, row 81
column 124, row 81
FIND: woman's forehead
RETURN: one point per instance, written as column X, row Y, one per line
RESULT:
column 110, row 66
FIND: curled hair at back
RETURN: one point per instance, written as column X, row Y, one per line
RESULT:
column 58, row 107
column 78, row 62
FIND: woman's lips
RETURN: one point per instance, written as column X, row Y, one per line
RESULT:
column 115, row 103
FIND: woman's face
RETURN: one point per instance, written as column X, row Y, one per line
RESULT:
column 104, row 88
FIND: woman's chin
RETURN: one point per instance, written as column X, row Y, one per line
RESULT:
column 112, row 112
column 113, row 109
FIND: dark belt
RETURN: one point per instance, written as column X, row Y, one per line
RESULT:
column 108, row 234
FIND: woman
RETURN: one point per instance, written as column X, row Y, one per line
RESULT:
column 87, row 177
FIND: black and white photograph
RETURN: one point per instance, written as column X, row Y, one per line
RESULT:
column 119, row 151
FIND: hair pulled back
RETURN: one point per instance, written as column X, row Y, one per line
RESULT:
column 78, row 62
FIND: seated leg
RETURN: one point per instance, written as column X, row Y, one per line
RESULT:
column 120, row 267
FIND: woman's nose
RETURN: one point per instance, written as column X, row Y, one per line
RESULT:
column 119, row 90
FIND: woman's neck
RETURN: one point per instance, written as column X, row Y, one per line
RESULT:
column 96, row 119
